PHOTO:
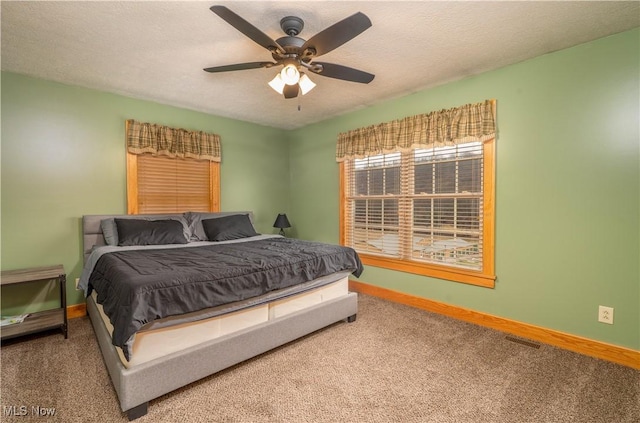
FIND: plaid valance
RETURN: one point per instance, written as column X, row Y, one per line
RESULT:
column 445, row 127
column 172, row 142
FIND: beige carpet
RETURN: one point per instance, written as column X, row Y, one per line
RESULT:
column 394, row 364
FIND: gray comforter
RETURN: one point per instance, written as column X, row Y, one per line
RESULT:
column 139, row 286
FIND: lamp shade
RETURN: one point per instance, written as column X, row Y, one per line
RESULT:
column 290, row 74
column 282, row 222
column 277, row 84
column 305, row 84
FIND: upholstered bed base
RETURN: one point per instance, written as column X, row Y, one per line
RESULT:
column 137, row 385
column 140, row 384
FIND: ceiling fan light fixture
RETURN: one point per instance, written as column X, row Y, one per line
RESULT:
column 295, row 54
column 306, row 84
column 290, row 75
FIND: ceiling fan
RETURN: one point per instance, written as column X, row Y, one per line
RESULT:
column 297, row 55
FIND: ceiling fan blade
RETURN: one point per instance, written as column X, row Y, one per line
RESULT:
column 291, row 91
column 240, row 66
column 332, row 70
column 337, row 34
column 247, row 29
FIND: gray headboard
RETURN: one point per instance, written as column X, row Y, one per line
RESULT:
column 92, row 231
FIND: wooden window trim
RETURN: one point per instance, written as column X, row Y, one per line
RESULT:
column 485, row 278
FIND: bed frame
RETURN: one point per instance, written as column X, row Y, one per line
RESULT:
column 136, row 386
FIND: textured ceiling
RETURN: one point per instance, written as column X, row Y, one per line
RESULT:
column 157, row 50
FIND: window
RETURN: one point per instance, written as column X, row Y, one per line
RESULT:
column 160, row 184
column 171, row 170
column 424, row 211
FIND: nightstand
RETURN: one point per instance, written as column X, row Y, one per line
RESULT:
column 42, row 320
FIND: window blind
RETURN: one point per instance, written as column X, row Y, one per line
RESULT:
column 424, row 205
column 173, row 185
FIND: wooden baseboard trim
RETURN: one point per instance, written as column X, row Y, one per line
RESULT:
column 76, row 310
column 613, row 353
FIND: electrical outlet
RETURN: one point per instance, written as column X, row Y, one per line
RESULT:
column 77, row 282
column 605, row 314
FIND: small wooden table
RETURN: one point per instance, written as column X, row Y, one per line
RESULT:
column 42, row 320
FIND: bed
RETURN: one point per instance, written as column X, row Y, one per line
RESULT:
column 170, row 313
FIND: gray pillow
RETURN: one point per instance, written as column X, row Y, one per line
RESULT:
column 228, row 227
column 194, row 222
column 110, row 230
column 150, row 232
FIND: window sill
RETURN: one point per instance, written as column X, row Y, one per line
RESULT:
column 435, row 271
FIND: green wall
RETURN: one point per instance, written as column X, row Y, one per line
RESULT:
column 63, row 156
column 568, row 188
column 568, row 182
